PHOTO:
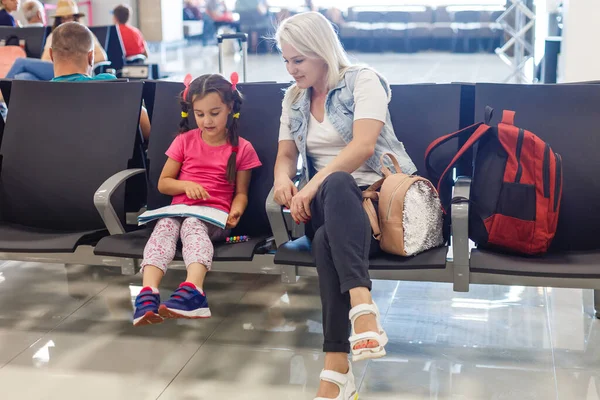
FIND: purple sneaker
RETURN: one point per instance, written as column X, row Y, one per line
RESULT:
column 186, row 302
column 146, row 308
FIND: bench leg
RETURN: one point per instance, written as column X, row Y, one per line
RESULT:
column 289, row 274
column 597, row 303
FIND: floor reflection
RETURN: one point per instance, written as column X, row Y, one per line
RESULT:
column 70, row 330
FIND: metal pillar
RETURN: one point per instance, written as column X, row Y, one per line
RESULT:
column 523, row 49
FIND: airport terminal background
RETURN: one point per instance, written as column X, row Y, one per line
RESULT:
column 67, row 333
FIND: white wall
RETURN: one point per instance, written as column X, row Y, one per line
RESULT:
column 552, row 5
column 580, row 59
column 161, row 20
column 102, row 11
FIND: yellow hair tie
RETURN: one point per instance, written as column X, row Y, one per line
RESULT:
column 184, row 114
column 236, row 115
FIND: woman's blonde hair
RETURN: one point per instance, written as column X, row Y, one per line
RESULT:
column 312, row 35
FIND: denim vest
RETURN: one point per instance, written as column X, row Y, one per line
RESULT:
column 339, row 107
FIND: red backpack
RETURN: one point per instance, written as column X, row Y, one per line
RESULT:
column 516, row 187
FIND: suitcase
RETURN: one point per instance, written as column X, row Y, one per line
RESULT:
column 242, row 37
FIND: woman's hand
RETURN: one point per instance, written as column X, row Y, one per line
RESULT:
column 233, row 219
column 300, row 204
column 284, row 191
column 195, row 191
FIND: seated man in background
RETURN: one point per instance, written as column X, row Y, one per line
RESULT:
column 68, row 11
column 72, row 53
column 42, row 70
column 133, row 40
column 34, row 13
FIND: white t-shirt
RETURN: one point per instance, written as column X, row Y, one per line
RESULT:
column 324, row 142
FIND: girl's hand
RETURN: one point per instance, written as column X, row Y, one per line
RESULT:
column 233, row 219
column 300, row 204
column 284, row 191
column 195, row 191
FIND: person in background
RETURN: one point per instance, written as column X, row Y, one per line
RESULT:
column 192, row 11
column 217, row 11
column 32, row 69
column 6, row 8
column 67, row 11
column 254, row 19
column 34, row 13
column 72, row 54
column 133, row 40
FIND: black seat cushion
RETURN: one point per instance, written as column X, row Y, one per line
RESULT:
column 17, row 238
column 581, row 264
column 131, row 245
column 298, row 252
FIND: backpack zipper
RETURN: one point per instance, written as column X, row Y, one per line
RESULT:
column 558, row 180
column 546, row 171
column 519, row 148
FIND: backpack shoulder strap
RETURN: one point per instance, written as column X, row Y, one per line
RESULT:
column 368, row 196
column 481, row 131
column 465, row 132
column 384, row 169
column 433, row 146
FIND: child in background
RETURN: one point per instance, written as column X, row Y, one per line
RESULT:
column 208, row 166
column 133, row 40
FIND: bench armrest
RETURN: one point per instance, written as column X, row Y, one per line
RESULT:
column 100, row 67
column 280, row 219
column 276, row 220
column 103, row 195
column 460, row 233
column 138, row 58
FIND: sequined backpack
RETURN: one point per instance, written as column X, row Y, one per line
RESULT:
column 409, row 218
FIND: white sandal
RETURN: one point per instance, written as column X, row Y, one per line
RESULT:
column 380, row 337
column 344, row 381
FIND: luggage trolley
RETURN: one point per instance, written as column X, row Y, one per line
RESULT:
column 243, row 37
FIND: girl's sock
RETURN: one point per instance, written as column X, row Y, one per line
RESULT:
column 190, row 284
column 150, row 288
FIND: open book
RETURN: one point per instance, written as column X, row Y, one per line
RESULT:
column 207, row 214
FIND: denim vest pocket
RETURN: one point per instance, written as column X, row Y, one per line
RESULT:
column 343, row 110
column 296, row 130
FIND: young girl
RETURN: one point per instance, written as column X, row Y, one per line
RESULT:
column 208, row 166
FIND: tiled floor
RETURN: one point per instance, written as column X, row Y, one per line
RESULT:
column 67, row 334
column 425, row 67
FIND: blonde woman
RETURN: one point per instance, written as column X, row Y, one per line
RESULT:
column 335, row 117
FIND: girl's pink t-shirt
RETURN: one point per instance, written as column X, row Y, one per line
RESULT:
column 207, row 166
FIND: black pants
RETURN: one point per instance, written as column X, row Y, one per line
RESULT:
column 342, row 243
